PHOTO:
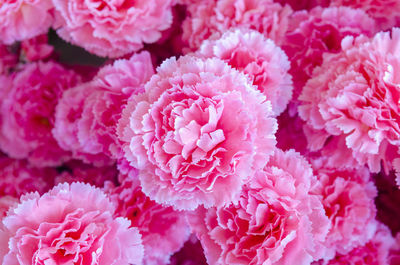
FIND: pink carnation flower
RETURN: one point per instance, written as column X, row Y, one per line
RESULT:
column 275, row 222
column 24, row 19
column 76, row 171
column 163, row 230
column 385, row 12
column 348, row 199
column 68, row 112
column 18, row 177
column 264, row 62
column 197, row 133
column 374, row 252
column 71, row 224
column 318, row 31
column 27, row 113
column 210, row 18
column 112, row 28
column 354, row 97
column 87, row 115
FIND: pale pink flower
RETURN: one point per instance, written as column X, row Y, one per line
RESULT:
column 265, row 63
column 71, row 224
column 210, row 18
column 163, row 230
column 197, row 133
column 87, row 115
column 27, row 112
column 24, row 19
column 318, row 31
column 348, row 199
column 76, row 171
column 68, row 112
column 37, row 48
column 112, row 28
column 18, row 177
column 354, row 97
column 374, row 252
column 275, row 222
column 385, row 12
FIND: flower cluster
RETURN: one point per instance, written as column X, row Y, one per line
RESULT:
column 199, row 132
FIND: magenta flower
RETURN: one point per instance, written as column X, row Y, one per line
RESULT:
column 19, row 177
column 27, row 112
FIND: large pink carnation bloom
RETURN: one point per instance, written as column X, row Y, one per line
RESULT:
column 87, row 115
column 318, row 31
column 163, row 230
column 354, row 97
column 24, row 19
column 264, row 62
column 27, row 112
column 197, row 133
column 348, row 199
column 112, row 28
column 385, row 12
column 275, row 222
column 210, row 18
column 71, row 224
column 18, row 177
column 375, row 252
